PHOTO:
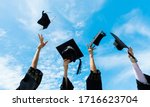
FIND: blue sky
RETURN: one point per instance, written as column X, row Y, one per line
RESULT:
column 81, row 20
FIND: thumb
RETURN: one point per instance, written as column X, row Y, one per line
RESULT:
column 45, row 42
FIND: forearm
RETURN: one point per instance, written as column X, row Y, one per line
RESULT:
column 35, row 59
column 138, row 73
column 66, row 74
column 92, row 64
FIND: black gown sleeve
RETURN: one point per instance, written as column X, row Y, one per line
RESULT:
column 66, row 87
column 142, row 86
column 32, row 80
column 94, row 81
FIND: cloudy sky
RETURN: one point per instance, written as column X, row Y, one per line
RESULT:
column 81, row 20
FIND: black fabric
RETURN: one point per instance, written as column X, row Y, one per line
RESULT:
column 94, row 81
column 66, row 87
column 79, row 66
column 142, row 86
column 32, row 80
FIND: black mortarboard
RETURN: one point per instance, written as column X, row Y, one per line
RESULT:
column 44, row 20
column 97, row 38
column 118, row 43
column 70, row 50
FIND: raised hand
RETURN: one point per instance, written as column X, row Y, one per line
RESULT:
column 130, row 50
column 42, row 43
column 131, row 55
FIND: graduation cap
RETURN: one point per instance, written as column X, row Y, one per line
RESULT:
column 118, row 43
column 70, row 50
column 97, row 39
column 44, row 20
column 121, row 45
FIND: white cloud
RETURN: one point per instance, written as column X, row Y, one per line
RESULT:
column 112, row 61
column 78, row 85
column 74, row 11
column 133, row 22
column 10, row 73
column 59, row 36
column 125, row 75
column 29, row 13
column 80, row 24
column 124, row 80
column 77, row 11
column 2, row 32
column 143, row 61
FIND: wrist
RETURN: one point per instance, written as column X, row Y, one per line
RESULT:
column 39, row 47
column 91, row 55
column 132, row 60
column 65, row 75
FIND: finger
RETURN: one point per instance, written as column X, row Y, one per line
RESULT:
column 130, row 53
column 42, row 38
column 130, row 50
column 39, row 36
column 45, row 42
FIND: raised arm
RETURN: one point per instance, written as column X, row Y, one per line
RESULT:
column 66, row 83
column 93, row 81
column 137, row 71
column 37, row 53
column 92, row 63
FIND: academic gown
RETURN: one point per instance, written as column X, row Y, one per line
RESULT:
column 32, row 80
column 142, row 86
column 64, row 86
column 93, row 82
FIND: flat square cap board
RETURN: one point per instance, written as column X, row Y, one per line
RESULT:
column 118, row 43
column 70, row 50
column 98, row 38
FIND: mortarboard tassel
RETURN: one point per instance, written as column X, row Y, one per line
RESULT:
column 79, row 67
